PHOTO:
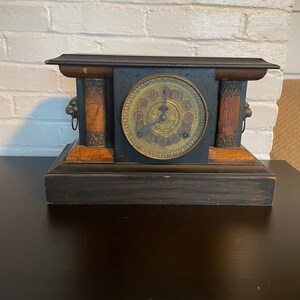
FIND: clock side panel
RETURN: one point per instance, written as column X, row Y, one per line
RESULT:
column 125, row 78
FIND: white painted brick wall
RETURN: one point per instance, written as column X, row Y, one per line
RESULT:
column 211, row 23
column 292, row 70
column 272, row 26
column 2, row 48
column 15, row 17
column 7, row 107
column 23, row 77
column 20, row 50
column 33, row 96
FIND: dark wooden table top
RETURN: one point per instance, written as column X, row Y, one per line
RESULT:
column 145, row 252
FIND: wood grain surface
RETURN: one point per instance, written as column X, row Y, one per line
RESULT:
column 230, row 155
column 86, row 71
column 161, row 61
column 170, row 184
column 145, row 252
column 240, row 74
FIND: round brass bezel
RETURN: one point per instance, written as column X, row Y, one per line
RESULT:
column 151, row 77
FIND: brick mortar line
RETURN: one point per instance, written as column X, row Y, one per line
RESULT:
column 49, row 121
column 267, row 103
column 22, row 93
column 142, row 4
column 287, row 8
column 146, row 21
column 5, row 46
column 247, row 22
column 239, row 39
column 260, row 130
column 219, row 8
column 257, row 130
column 255, row 100
column 81, row 33
column 272, row 102
column 34, row 121
column 28, row 147
column 15, row 107
column 120, row 35
column 50, row 20
column 290, row 75
column 35, row 65
column 36, row 91
column 134, row 37
column 243, row 26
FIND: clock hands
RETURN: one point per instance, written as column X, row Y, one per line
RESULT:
column 148, row 127
column 164, row 108
column 161, row 118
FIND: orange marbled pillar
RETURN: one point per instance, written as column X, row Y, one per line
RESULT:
column 95, row 113
column 228, row 131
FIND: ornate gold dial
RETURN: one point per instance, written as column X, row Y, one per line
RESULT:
column 164, row 116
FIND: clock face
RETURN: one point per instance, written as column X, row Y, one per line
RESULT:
column 164, row 116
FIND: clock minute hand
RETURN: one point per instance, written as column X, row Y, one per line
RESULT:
column 162, row 116
column 164, row 106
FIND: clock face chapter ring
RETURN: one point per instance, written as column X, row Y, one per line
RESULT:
column 164, row 116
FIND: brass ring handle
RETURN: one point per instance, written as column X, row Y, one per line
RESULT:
column 72, row 110
column 74, row 127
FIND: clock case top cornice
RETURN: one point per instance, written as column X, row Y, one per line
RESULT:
column 161, row 61
column 101, row 66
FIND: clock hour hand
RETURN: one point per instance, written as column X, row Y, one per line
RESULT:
column 149, row 126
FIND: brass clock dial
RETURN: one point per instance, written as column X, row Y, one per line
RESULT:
column 164, row 116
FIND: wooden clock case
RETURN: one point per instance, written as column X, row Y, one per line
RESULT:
column 103, row 168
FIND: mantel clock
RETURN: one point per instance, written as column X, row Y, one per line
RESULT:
column 159, row 130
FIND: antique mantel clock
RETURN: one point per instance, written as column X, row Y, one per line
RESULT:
column 159, row 130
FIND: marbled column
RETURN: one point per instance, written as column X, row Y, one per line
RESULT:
column 228, row 131
column 95, row 113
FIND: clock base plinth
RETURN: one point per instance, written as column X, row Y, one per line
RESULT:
column 177, row 184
